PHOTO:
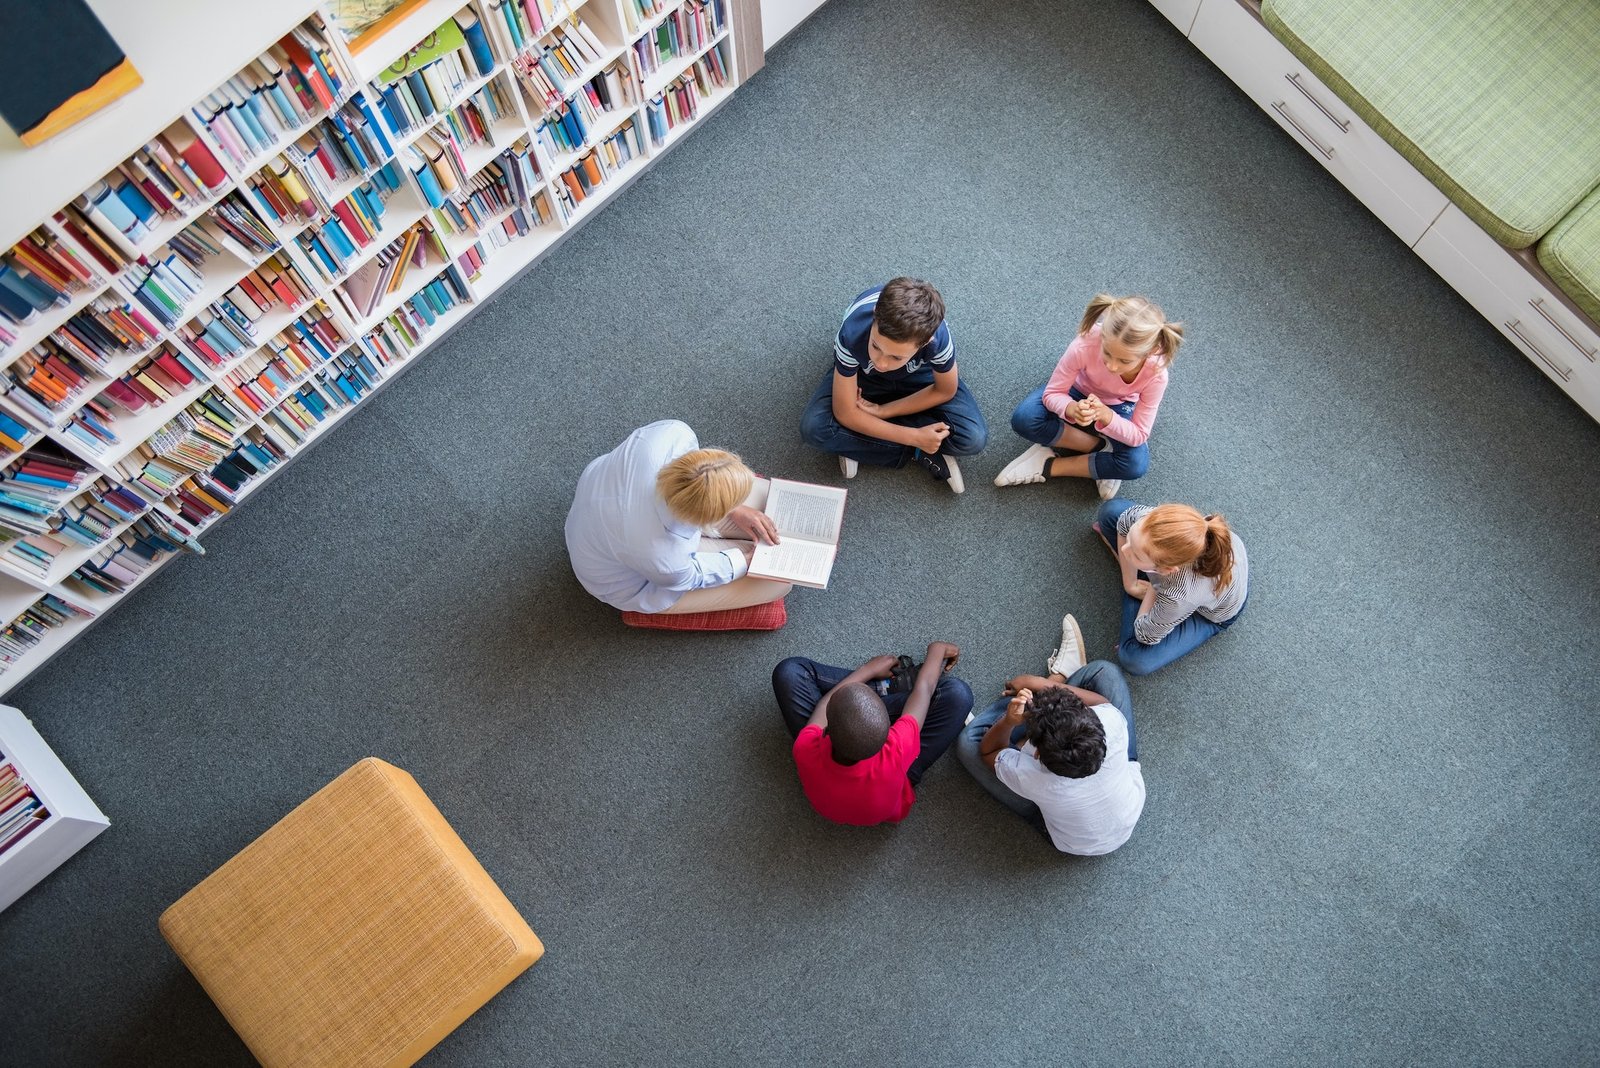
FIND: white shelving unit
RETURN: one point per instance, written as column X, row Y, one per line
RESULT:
column 184, row 54
column 73, row 822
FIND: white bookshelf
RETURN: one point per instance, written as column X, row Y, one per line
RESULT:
column 74, row 819
column 183, row 55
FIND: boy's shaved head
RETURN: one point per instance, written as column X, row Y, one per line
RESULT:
column 858, row 723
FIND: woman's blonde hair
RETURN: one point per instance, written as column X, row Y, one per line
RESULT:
column 1179, row 536
column 1135, row 322
column 703, row 486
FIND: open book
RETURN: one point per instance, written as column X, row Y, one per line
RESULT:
column 808, row 517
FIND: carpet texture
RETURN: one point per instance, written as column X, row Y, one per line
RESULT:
column 1370, row 834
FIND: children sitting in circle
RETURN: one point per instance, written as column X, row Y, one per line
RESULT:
column 1101, row 400
column 660, row 525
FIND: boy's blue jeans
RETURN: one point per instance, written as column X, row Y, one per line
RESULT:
column 1038, row 424
column 799, row 683
column 819, row 429
column 1136, row 657
column 1099, row 676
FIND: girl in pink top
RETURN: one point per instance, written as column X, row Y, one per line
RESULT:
column 1101, row 402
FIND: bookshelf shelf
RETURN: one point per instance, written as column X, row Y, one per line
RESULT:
column 65, row 821
column 47, row 323
column 663, row 76
column 247, row 246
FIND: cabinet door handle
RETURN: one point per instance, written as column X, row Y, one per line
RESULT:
column 1277, row 105
column 1538, row 306
column 1565, row 373
column 1343, row 124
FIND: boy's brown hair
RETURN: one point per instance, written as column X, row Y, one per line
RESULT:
column 909, row 309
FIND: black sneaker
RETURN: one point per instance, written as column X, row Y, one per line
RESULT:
column 904, row 674
column 942, row 468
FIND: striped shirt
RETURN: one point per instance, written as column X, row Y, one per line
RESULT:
column 1183, row 593
column 851, row 357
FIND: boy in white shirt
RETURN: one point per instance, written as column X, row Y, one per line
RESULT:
column 1060, row 751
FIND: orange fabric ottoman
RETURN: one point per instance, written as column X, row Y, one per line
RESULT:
column 358, row 930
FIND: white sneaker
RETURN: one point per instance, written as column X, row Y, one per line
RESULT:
column 1108, row 487
column 955, row 482
column 1029, row 467
column 848, row 467
column 1070, row 656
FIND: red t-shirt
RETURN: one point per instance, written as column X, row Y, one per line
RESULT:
column 874, row 790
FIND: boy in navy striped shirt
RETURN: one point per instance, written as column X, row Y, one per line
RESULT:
column 894, row 395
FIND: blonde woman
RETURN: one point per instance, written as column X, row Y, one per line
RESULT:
column 637, row 532
column 1101, row 402
column 1185, row 578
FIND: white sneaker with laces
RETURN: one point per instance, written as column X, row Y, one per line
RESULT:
column 1027, row 468
column 1108, row 487
column 848, row 467
column 1070, row 655
column 954, row 481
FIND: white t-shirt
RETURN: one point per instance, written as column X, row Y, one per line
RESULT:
column 1087, row 816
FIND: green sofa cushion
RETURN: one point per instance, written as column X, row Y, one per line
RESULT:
column 1571, row 253
column 1495, row 102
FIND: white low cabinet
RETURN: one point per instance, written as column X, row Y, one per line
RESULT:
column 74, row 819
column 1503, row 289
column 1242, row 47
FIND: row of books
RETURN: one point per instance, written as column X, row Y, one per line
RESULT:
column 640, row 12
column 122, row 561
column 165, row 284
column 419, row 94
column 21, row 810
column 515, row 25
column 46, row 382
column 35, row 487
column 680, row 101
column 474, row 120
column 596, row 168
column 570, row 126
column 687, row 30
column 39, row 273
column 551, row 72
column 488, row 195
column 385, row 273
column 501, row 232
column 160, row 181
column 107, row 328
column 292, row 197
column 255, row 110
column 351, row 226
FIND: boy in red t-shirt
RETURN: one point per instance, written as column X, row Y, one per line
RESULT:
column 858, row 753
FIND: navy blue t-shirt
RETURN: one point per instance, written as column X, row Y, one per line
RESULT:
column 850, row 355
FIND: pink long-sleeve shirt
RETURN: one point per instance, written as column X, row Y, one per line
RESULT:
column 1081, row 366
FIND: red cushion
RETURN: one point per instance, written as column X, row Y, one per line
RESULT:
column 769, row 616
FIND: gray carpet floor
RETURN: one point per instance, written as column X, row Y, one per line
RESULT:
column 1371, row 827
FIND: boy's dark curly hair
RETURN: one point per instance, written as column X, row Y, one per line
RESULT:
column 1067, row 733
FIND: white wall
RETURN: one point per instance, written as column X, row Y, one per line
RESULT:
column 778, row 17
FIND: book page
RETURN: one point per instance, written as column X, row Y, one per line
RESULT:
column 803, row 511
column 805, row 562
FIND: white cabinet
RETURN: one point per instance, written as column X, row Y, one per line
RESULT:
column 1497, row 283
column 1235, row 40
column 73, row 821
column 1179, row 12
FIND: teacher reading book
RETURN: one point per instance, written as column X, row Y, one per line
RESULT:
column 660, row 525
